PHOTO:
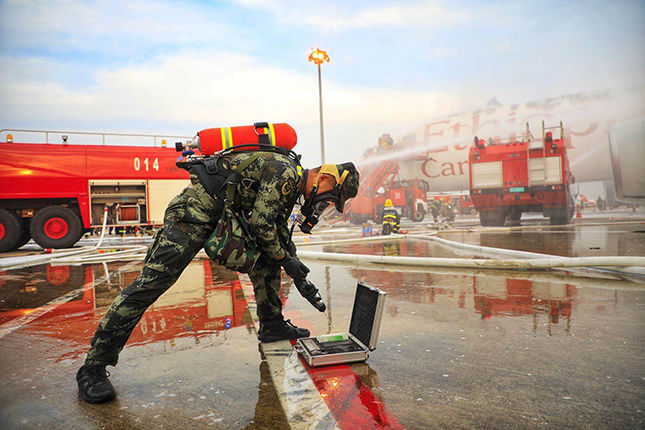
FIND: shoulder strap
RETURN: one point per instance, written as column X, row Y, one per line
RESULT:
column 253, row 147
column 234, row 179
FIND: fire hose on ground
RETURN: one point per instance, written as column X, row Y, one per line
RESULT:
column 84, row 255
column 522, row 261
column 546, row 263
column 501, row 252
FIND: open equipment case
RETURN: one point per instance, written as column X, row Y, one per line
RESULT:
column 353, row 346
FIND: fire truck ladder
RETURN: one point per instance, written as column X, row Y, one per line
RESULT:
column 378, row 178
column 528, row 150
column 372, row 180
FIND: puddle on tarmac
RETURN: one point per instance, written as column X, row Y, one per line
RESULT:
column 456, row 347
column 509, row 348
column 193, row 358
column 569, row 241
column 23, row 290
column 205, row 301
column 408, row 247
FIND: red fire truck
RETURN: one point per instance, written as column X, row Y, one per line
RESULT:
column 463, row 203
column 410, row 197
column 53, row 193
column 460, row 201
column 522, row 175
column 381, row 182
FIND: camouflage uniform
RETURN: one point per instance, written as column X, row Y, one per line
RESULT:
column 189, row 220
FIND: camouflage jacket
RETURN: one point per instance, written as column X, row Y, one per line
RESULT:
column 268, row 199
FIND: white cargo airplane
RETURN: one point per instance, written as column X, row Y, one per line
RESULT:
column 438, row 152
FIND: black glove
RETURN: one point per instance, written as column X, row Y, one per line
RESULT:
column 294, row 267
column 311, row 293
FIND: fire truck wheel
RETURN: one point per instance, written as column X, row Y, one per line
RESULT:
column 492, row 218
column 56, row 227
column 484, row 219
column 419, row 215
column 11, row 230
column 559, row 220
column 514, row 217
column 570, row 208
column 26, row 235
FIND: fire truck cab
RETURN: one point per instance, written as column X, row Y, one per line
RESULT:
column 54, row 193
column 523, row 174
column 409, row 197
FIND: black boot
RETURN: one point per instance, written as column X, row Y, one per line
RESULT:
column 271, row 331
column 93, row 384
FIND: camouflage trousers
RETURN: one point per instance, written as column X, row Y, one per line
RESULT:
column 189, row 221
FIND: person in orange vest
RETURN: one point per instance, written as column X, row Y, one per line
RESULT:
column 391, row 218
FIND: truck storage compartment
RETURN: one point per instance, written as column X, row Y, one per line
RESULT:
column 545, row 171
column 125, row 200
column 128, row 214
column 487, row 175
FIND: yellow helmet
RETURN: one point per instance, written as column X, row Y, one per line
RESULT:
column 388, row 203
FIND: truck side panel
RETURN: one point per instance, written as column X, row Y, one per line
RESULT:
column 41, row 171
column 84, row 179
column 129, row 162
column 39, row 174
column 160, row 192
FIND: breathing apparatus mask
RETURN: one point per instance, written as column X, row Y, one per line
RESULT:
column 316, row 204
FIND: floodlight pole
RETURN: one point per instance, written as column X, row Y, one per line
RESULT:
column 318, row 57
column 322, row 131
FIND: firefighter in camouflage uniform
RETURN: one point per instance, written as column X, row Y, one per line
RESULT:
column 270, row 185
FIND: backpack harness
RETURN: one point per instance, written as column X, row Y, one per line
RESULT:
column 215, row 175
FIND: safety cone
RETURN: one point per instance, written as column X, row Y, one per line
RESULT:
column 578, row 213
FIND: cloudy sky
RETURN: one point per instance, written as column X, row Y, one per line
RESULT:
column 177, row 67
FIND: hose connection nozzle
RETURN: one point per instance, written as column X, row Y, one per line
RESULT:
column 188, row 145
column 311, row 293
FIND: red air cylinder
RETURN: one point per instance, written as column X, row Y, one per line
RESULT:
column 213, row 140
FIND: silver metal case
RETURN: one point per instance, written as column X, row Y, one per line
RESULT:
column 349, row 347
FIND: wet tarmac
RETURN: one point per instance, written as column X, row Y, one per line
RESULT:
column 568, row 241
column 457, row 348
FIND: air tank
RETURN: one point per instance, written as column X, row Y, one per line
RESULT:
column 212, row 140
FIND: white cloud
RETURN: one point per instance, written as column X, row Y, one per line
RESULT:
column 342, row 16
column 127, row 27
column 123, row 26
column 183, row 66
column 214, row 88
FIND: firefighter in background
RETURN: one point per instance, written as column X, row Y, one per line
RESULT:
column 435, row 208
column 385, row 142
column 269, row 186
column 600, row 204
column 391, row 219
column 447, row 212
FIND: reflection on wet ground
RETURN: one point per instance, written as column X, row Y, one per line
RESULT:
column 501, row 351
column 26, row 289
column 457, row 348
column 567, row 241
column 410, row 248
column 196, row 306
column 193, row 351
